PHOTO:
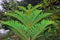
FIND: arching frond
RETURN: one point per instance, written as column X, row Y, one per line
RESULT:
column 39, row 28
column 40, row 17
column 18, row 28
column 19, row 16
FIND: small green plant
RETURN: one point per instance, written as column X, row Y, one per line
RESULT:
column 30, row 22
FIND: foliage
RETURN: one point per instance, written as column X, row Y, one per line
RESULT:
column 30, row 22
column 48, row 2
column 52, row 8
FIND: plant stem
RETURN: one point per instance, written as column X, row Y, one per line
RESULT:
column 29, row 38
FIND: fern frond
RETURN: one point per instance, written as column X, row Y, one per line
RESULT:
column 37, row 6
column 20, row 16
column 33, row 15
column 40, row 17
column 39, row 28
column 18, row 28
column 22, row 8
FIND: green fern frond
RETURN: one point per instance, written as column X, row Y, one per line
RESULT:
column 18, row 28
column 37, row 6
column 22, row 8
column 40, row 17
column 39, row 28
column 20, row 16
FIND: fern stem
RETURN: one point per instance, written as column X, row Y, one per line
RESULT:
column 29, row 38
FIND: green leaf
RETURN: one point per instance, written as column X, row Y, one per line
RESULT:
column 33, row 15
column 39, row 28
column 22, row 8
column 20, row 16
column 18, row 28
column 40, row 17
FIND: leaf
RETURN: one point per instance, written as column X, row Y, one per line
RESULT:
column 40, row 17
column 20, row 17
column 33, row 15
column 18, row 28
column 22, row 8
column 39, row 28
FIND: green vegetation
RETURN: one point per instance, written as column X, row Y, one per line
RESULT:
column 30, row 22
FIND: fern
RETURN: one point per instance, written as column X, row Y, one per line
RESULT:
column 33, row 22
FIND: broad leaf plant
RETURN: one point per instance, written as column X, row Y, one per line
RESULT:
column 30, row 22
